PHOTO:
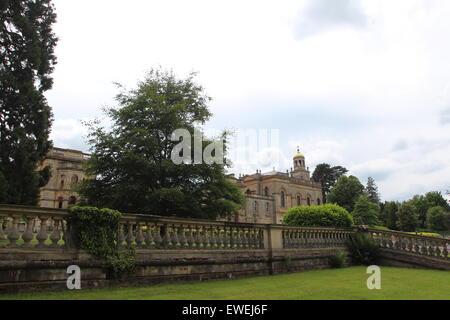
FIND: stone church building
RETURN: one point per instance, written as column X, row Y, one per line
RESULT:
column 269, row 195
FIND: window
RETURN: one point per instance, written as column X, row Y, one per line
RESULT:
column 248, row 191
column 72, row 201
column 267, row 209
column 63, row 178
column 318, row 201
column 74, row 179
column 60, row 202
column 299, row 201
column 266, row 191
column 283, row 200
column 255, row 207
column 308, row 201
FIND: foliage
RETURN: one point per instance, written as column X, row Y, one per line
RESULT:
column 27, row 60
column 327, row 176
column 365, row 212
column 95, row 230
column 328, row 215
column 131, row 162
column 372, row 191
column 363, row 249
column 121, row 264
column 438, row 219
column 390, row 210
column 435, row 198
column 421, row 205
column 407, row 217
column 338, row 259
column 346, row 192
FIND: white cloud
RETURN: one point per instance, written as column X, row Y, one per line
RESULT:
column 367, row 89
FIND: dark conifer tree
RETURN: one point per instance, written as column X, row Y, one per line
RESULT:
column 27, row 61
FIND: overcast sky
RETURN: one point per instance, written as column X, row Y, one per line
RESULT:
column 362, row 84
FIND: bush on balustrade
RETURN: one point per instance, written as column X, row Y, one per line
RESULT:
column 328, row 215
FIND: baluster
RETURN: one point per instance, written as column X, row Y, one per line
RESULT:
column 183, row 240
column 227, row 238
column 197, row 238
column 167, row 241
column 55, row 235
column 149, row 241
column 190, row 238
column 175, row 238
column 206, row 238
column 213, row 238
column 27, row 236
column 158, row 238
column 2, row 232
column 13, row 233
column 42, row 234
column 130, row 236
column 220, row 238
column 445, row 251
column 140, row 235
column 121, row 235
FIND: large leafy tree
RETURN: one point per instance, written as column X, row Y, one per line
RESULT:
column 421, row 206
column 346, row 192
column 436, row 199
column 389, row 215
column 438, row 218
column 372, row 191
column 27, row 60
column 366, row 212
column 327, row 176
column 407, row 217
column 131, row 164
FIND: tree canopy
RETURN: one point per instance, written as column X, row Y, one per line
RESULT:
column 27, row 61
column 327, row 176
column 372, row 191
column 131, row 166
column 366, row 212
column 346, row 192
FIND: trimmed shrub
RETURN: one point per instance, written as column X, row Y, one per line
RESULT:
column 328, row 215
column 363, row 249
column 338, row 259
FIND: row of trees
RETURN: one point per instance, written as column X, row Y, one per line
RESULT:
column 429, row 211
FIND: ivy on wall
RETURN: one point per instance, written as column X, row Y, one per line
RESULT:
column 95, row 230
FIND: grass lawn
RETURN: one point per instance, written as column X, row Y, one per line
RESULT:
column 341, row 284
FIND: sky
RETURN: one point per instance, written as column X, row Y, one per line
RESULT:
column 364, row 84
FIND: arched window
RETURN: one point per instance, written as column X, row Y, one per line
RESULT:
column 74, row 179
column 299, row 201
column 63, row 180
column 60, row 202
column 266, row 191
column 308, row 201
column 318, row 201
column 283, row 200
column 72, row 200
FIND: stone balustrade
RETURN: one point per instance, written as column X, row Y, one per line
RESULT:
column 295, row 237
column 38, row 228
column 153, row 232
column 411, row 243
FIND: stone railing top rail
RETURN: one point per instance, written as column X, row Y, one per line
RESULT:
column 409, row 235
column 285, row 227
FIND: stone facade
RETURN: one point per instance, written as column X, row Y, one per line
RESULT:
column 270, row 195
column 67, row 170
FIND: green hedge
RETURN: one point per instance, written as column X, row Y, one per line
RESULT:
column 328, row 215
column 95, row 230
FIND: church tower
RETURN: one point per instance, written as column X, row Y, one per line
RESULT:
column 300, row 170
